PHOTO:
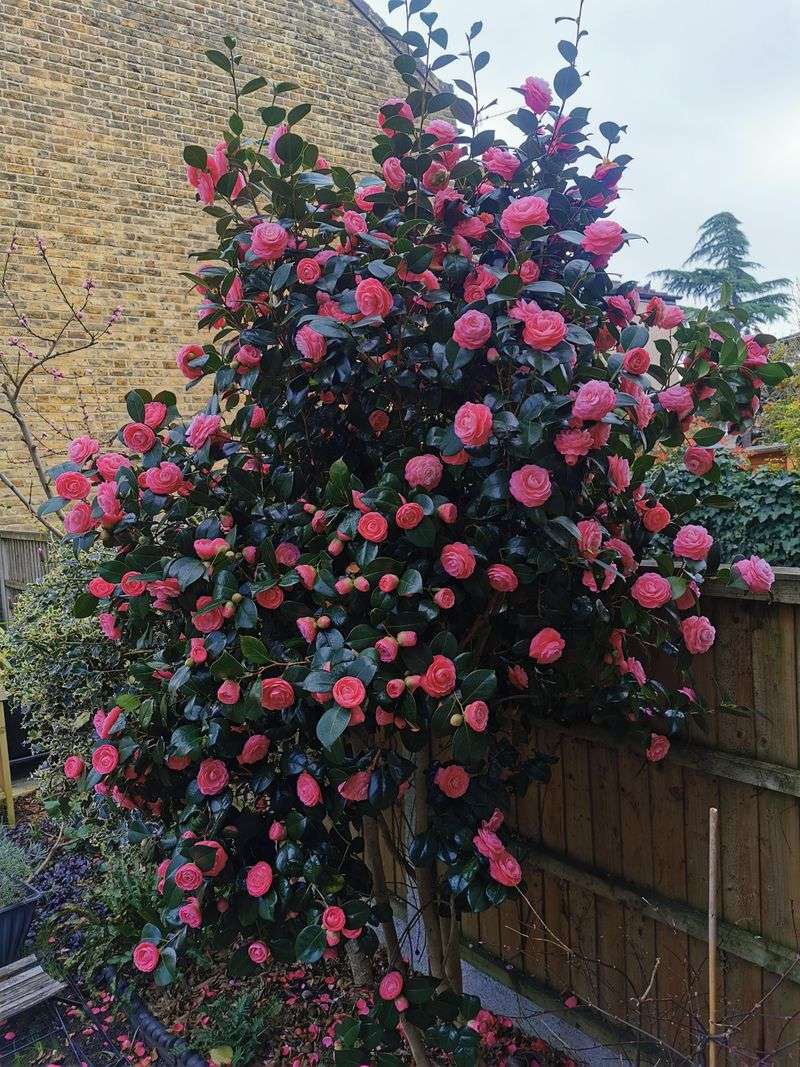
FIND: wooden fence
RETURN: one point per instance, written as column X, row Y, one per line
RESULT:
column 616, row 893
column 23, row 556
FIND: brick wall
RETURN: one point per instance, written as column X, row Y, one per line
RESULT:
column 97, row 99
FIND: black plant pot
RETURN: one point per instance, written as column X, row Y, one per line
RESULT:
column 15, row 921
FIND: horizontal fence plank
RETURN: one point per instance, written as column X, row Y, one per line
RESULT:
column 786, row 589
column 744, row 944
column 709, row 761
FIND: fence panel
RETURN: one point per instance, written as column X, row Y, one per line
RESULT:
column 616, row 854
column 23, row 557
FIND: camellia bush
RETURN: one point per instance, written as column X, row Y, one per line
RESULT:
column 411, row 516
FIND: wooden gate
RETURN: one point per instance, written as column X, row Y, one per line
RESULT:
column 23, row 557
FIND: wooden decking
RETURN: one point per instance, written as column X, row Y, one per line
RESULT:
column 24, row 985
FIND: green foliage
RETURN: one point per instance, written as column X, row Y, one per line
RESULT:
column 763, row 520
column 721, row 272
column 15, row 867
column 57, row 668
column 122, row 898
column 238, row 1024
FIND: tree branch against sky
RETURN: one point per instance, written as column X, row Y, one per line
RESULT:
column 719, row 271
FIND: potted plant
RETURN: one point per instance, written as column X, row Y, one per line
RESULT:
column 17, row 899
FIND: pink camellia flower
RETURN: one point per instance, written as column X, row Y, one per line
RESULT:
column 254, row 750
column 636, row 361
column 373, row 298
column 698, row 634
column 409, row 516
column 677, row 399
column 522, row 212
column 72, row 485
column 164, row 479
column 212, row 777
column 472, row 425
column 308, row 790
column 208, row 548
column 308, row 271
column 393, row 173
column 547, row 646
column 602, row 238
column 651, row 590
column 537, row 93
column 671, row 317
column 573, row 445
column 183, row 358
column 487, row 843
column 191, row 914
column 444, row 132
column 656, row 518
column 154, row 414
column 287, row 554
column 188, row 877
column 258, row 952
column 590, row 539
column 201, row 429
column 453, row 780
column 228, row 692
column 138, row 437
column 692, row 542
column 543, row 330
column 518, row 677
column 458, row 560
column 395, row 106
column 476, row 715
column 106, row 620
column 423, row 472
column 105, row 759
column 444, row 598
column 198, row 653
column 310, row 344
column 756, row 573
column 697, row 460
column 100, row 588
column 349, row 692
column 109, row 463
column 530, row 485
column 268, row 242
column 259, row 879
column 220, row 857
column 391, row 986
column 505, row 869
column 276, row 694
column 356, row 787
column 619, row 473
column 373, row 527
column 146, row 957
column 658, row 748
column 333, row 919
column 472, row 330
column 502, row 578
column 207, row 619
column 501, row 162
column 440, row 678
column 594, row 400
column 74, row 767
column 82, row 448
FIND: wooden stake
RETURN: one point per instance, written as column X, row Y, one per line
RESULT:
column 713, row 878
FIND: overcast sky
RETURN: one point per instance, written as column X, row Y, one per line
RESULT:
column 709, row 89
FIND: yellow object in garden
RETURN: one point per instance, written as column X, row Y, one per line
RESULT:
column 5, row 764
